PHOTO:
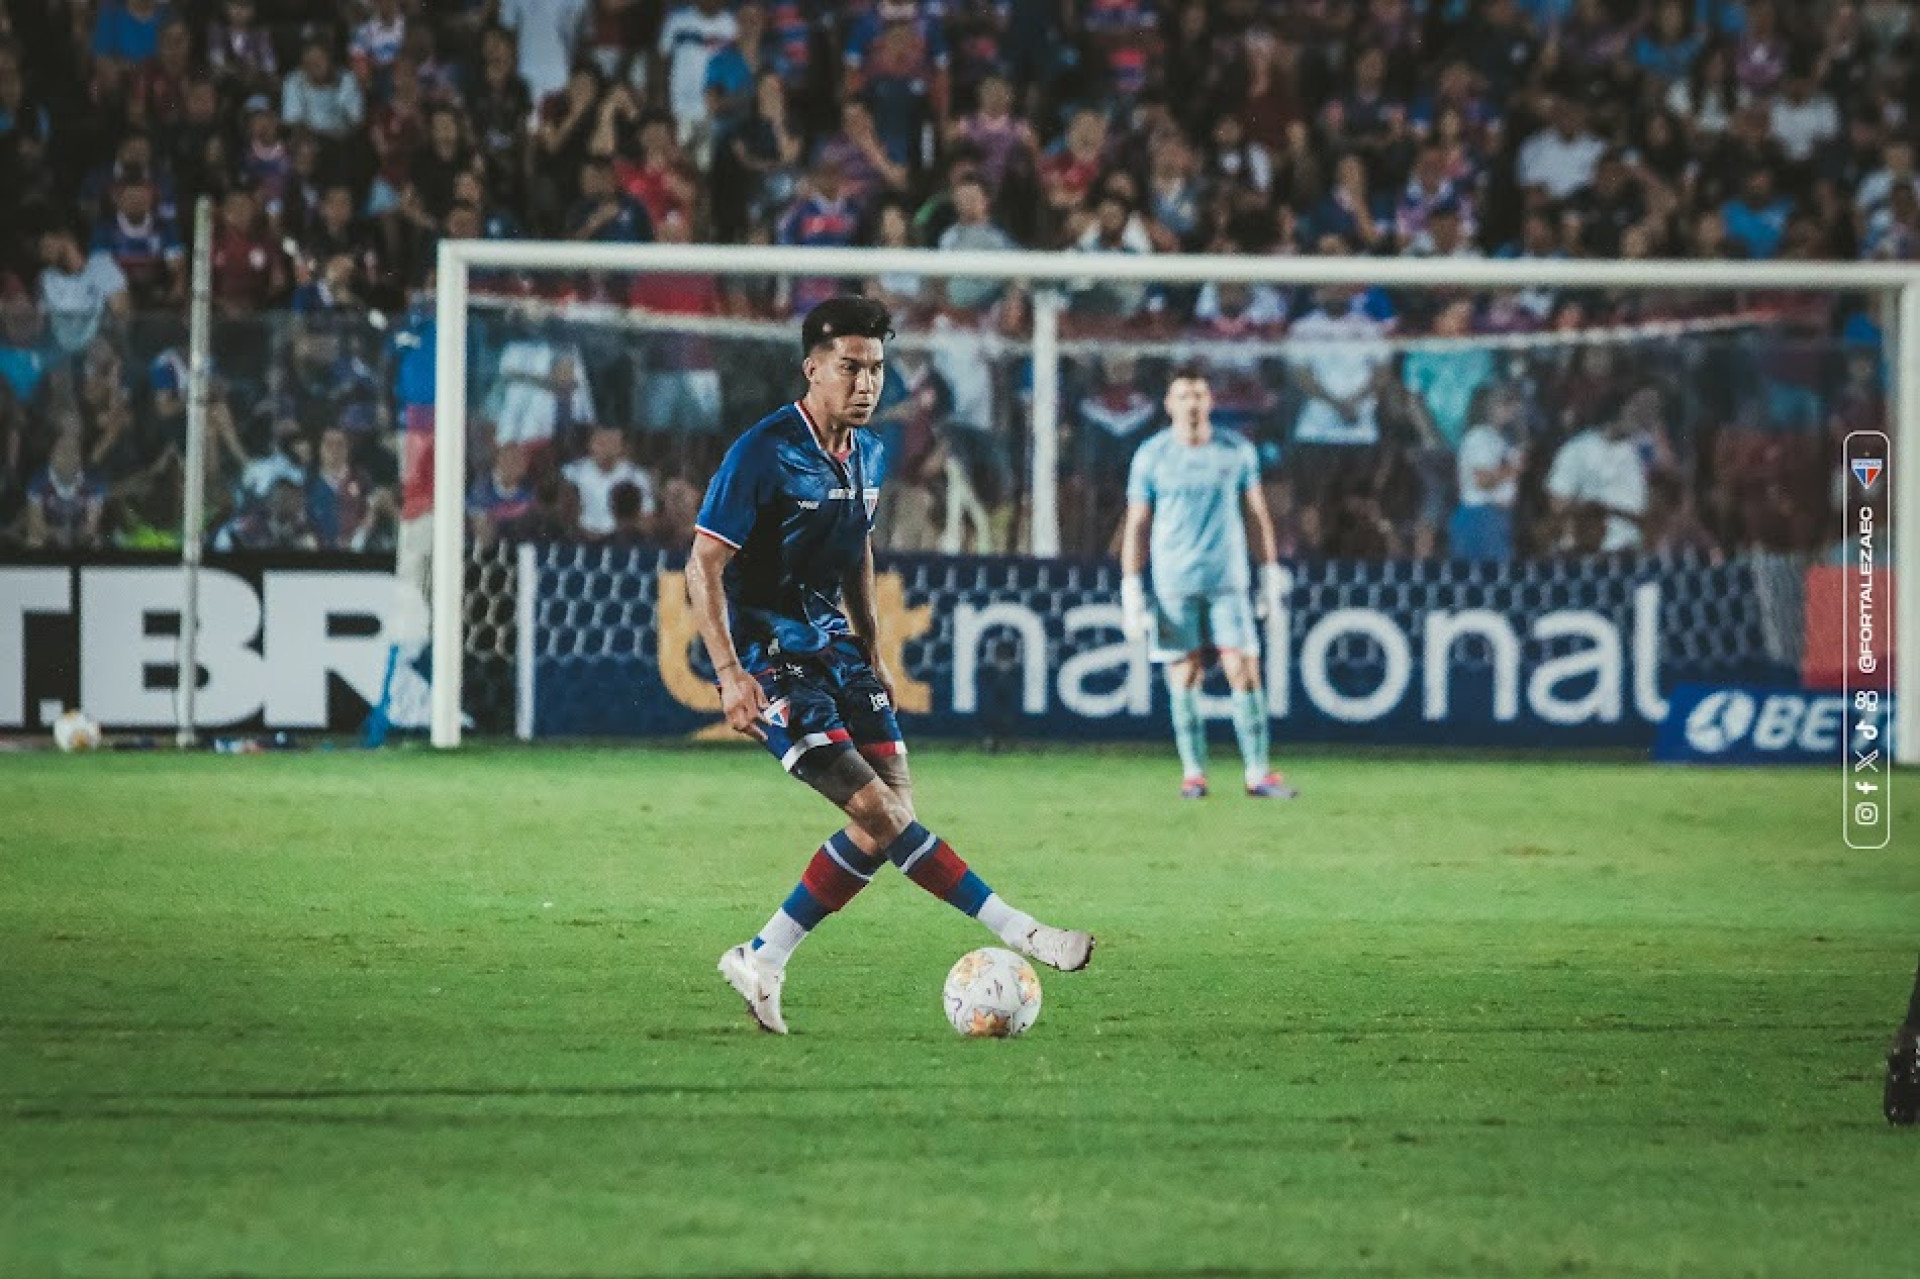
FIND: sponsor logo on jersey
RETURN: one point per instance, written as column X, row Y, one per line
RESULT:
column 880, row 702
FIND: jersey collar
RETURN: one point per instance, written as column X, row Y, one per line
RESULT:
column 819, row 437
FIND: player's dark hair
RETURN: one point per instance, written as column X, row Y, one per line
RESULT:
column 1188, row 372
column 847, row 316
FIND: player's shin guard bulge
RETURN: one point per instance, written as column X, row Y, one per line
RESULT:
column 837, row 873
column 930, row 862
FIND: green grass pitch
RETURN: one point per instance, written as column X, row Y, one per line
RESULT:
column 404, row 1014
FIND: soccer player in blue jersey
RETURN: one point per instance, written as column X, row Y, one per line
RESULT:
column 1198, row 489
column 781, row 579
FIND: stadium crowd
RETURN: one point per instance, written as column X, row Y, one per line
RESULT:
column 342, row 141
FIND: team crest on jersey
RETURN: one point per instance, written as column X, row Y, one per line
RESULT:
column 872, row 497
column 1867, row 470
column 776, row 713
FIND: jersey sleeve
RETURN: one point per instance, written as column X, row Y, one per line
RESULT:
column 1247, row 477
column 744, row 483
column 1140, row 476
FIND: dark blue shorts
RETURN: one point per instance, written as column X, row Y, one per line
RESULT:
column 829, row 698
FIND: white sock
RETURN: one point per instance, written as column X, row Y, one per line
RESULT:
column 777, row 940
column 1009, row 925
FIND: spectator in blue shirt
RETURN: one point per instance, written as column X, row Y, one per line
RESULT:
column 1668, row 50
column 1757, row 221
column 732, row 71
column 126, row 33
column 23, row 348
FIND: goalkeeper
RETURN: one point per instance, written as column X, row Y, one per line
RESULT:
column 1197, row 489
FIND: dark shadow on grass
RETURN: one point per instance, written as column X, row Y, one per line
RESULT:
column 1362, row 1267
column 314, row 1118
column 1404, row 1026
column 41, row 1106
column 1263, row 1273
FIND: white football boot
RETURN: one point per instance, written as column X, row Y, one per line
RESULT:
column 1057, row 947
column 759, row 985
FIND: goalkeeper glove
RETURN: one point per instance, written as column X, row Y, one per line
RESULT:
column 1135, row 621
column 1272, row 593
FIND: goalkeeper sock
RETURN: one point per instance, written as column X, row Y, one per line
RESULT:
column 838, row 871
column 1189, row 730
column 1250, row 726
column 930, row 862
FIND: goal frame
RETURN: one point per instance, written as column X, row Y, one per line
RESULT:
column 1896, row 285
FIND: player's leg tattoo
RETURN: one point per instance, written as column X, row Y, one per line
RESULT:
column 837, row 772
column 894, row 772
column 1189, row 730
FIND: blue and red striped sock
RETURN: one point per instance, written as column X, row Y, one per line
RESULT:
column 838, row 871
column 930, row 862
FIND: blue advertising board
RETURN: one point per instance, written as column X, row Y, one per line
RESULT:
column 1574, row 653
column 1745, row 724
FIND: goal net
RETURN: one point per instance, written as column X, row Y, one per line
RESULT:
column 1519, row 503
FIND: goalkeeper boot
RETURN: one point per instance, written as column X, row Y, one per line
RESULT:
column 1057, row 947
column 1272, row 786
column 759, row 985
column 1902, row 1100
column 1193, row 788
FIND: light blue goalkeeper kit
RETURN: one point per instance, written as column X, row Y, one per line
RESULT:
column 1198, row 547
column 1198, row 556
column 1199, row 544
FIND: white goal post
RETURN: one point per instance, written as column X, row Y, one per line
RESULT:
column 1896, row 285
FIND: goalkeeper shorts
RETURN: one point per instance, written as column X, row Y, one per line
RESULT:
column 1198, row 623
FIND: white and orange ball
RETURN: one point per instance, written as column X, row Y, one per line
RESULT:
column 992, row 994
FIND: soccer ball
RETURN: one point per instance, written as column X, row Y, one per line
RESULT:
column 992, row 994
column 76, row 731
